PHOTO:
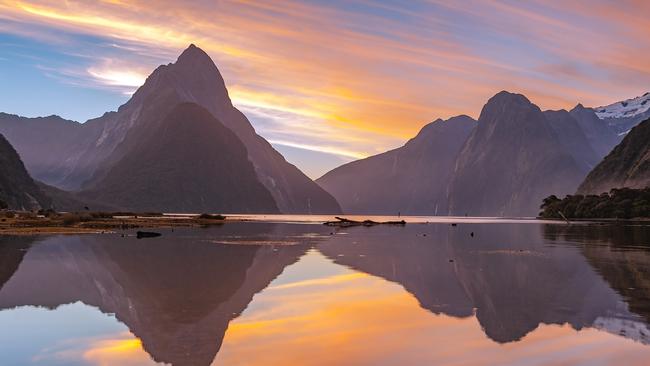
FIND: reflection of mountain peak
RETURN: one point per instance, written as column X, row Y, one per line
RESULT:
column 176, row 296
column 179, row 293
column 510, row 277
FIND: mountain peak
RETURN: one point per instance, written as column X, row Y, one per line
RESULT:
column 579, row 108
column 192, row 54
column 505, row 104
column 508, row 97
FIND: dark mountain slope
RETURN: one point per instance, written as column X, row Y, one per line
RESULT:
column 411, row 179
column 17, row 188
column 628, row 165
column 189, row 163
column 572, row 137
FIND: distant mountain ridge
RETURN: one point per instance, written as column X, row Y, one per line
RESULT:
column 83, row 159
column 502, row 165
column 411, row 179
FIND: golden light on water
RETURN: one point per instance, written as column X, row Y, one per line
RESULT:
column 354, row 318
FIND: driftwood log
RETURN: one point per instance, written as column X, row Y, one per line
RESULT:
column 343, row 222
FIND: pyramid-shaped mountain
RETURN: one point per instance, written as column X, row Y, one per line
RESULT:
column 98, row 150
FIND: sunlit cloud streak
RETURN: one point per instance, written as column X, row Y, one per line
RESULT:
column 377, row 71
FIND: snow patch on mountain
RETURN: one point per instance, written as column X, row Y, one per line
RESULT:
column 628, row 328
column 626, row 108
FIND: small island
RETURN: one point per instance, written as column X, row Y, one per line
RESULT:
column 619, row 203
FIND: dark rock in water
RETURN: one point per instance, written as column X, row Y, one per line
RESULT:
column 453, row 224
column 147, row 234
column 471, row 234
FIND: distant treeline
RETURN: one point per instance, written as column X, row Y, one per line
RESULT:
column 622, row 203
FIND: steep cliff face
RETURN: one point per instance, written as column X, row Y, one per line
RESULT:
column 17, row 189
column 628, row 165
column 412, row 179
column 189, row 163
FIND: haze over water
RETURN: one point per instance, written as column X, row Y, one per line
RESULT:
column 302, row 293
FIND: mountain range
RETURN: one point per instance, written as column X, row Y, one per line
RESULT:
column 404, row 179
column 178, row 144
column 504, row 164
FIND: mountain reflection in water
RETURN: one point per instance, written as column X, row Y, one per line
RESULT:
column 264, row 293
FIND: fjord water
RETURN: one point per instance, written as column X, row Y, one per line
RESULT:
column 264, row 293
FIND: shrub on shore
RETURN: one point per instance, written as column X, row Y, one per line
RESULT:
column 101, row 215
column 47, row 213
column 622, row 203
column 70, row 218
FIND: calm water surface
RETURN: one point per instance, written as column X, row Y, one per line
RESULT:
column 263, row 293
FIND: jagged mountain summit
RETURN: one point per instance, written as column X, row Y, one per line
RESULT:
column 628, row 165
column 17, row 189
column 101, row 144
column 411, row 179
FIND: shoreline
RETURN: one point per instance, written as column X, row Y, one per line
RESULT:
column 25, row 223
column 29, row 224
